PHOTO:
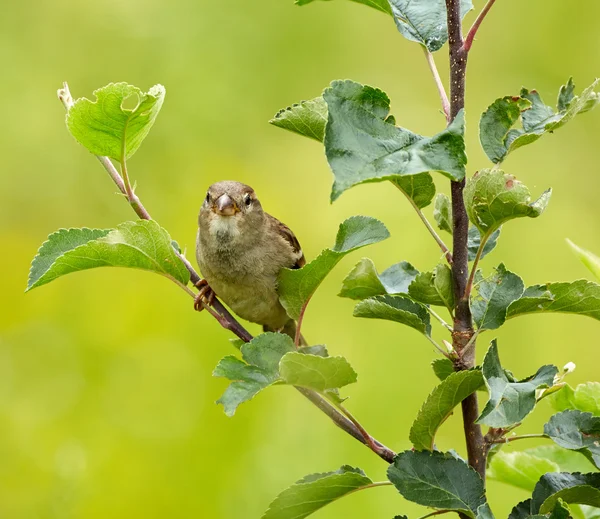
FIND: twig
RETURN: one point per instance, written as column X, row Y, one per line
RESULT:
column 438, row 84
column 475, row 27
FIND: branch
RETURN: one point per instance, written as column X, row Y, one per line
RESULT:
column 475, row 27
column 438, row 83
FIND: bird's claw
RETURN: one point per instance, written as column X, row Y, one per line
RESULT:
column 205, row 295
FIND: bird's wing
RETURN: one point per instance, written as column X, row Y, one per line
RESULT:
column 285, row 232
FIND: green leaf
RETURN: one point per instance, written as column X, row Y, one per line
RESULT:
column 105, row 127
column 579, row 297
column 439, row 405
column 442, row 368
column 585, row 397
column 510, row 401
column 591, row 261
column 577, row 431
column 520, row 469
column 438, row 481
column 434, row 288
column 495, row 133
column 297, row 286
column 307, row 118
column 380, row 5
column 442, row 212
column 492, row 297
column 363, row 280
column 398, row 308
column 425, row 21
column 493, row 197
column 571, row 488
column 362, row 146
column 567, row 461
column 315, row 372
column 418, row 188
column 258, row 370
column 142, row 245
column 315, row 491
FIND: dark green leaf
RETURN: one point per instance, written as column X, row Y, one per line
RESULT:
column 577, row 431
column 105, row 127
column 418, row 188
column 314, row 492
column 425, row 21
column 439, row 405
column 566, row 94
column 315, row 372
column 492, row 297
column 571, row 488
column 438, row 481
column 296, row 286
column 380, row 5
column 142, row 245
column 434, row 288
column 307, row 118
column 493, row 197
column 363, row 280
column 442, row 368
column 510, row 401
column 590, row 260
column 474, row 241
column 585, row 397
column 521, row 511
column 362, row 147
column 398, row 308
column 579, row 297
column 442, row 212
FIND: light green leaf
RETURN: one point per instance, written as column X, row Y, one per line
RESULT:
column 492, row 297
column 442, row 212
column 297, row 286
column 315, row 372
column 495, row 133
column 314, row 492
column 442, row 368
column 361, row 146
column 380, row 5
column 434, row 288
column 439, row 405
column 398, row 308
column 585, row 397
column 142, row 245
column 363, row 280
column 567, row 461
column 438, row 481
column 418, row 188
column 105, row 127
column 425, row 21
column 510, row 401
column 579, row 297
column 571, row 488
column 591, row 261
column 520, row 469
column 308, row 118
column 493, row 197
column 442, row 281
column 577, row 431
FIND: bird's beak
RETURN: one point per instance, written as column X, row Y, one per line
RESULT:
column 225, row 206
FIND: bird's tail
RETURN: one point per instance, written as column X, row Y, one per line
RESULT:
column 288, row 329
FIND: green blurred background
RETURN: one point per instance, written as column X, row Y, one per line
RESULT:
column 106, row 395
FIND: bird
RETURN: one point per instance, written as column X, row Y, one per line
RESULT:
column 241, row 250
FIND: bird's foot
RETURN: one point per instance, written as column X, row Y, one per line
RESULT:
column 205, row 295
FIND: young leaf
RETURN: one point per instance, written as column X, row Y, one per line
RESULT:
column 510, row 401
column 442, row 212
column 443, row 368
column 493, row 295
column 398, row 308
column 105, row 127
column 142, row 245
column 493, row 197
column 577, row 431
column 439, row 405
column 437, row 480
column 571, row 488
column 363, row 280
column 296, row 287
column 260, row 369
column 495, row 133
column 418, row 188
column 520, row 469
column 380, row 5
column 362, row 146
column 315, row 372
column 308, row 118
column 425, row 21
column 591, row 261
column 579, row 297
column 434, row 288
column 315, row 491
column 585, row 397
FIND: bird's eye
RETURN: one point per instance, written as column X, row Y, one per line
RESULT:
column 207, row 198
column 247, row 199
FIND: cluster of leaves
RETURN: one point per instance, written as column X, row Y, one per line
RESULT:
column 363, row 144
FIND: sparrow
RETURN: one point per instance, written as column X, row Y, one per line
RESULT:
column 240, row 250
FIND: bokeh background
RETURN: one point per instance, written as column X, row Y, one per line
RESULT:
column 106, row 395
